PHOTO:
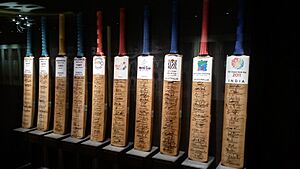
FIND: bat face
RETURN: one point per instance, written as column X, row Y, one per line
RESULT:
column 28, row 103
column 44, row 95
column 98, row 124
column 60, row 104
column 235, row 111
column 144, row 104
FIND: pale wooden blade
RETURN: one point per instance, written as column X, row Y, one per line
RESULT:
column 99, row 101
column 79, row 107
column 144, row 104
column 120, row 105
column 61, row 99
column 171, row 105
column 28, row 93
column 44, row 106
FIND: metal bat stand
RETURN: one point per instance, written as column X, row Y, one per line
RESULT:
column 162, row 161
column 114, row 156
column 192, row 164
column 140, row 159
column 220, row 166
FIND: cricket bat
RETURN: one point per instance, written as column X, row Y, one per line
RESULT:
column 44, row 102
column 144, row 93
column 171, row 102
column 61, row 83
column 201, row 97
column 79, row 105
column 29, row 87
column 235, row 101
column 99, row 94
column 120, row 105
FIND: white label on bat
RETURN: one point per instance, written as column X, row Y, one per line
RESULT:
column 61, row 67
column 202, row 69
column 28, row 65
column 99, row 65
column 172, row 67
column 145, row 67
column 121, row 67
column 44, row 65
column 237, row 69
column 79, row 66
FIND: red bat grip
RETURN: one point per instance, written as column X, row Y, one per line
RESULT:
column 99, row 34
column 203, row 42
column 122, row 51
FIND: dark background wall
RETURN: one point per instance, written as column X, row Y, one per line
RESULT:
column 271, row 39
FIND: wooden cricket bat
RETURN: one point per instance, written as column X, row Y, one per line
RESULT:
column 61, row 83
column 201, row 97
column 99, row 94
column 29, row 87
column 120, row 105
column 144, row 94
column 44, row 102
column 235, row 101
column 171, row 105
column 79, row 106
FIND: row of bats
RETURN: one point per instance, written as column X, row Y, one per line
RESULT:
column 235, row 101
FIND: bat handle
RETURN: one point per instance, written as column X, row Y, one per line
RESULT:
column 203, row 43
column 62, row 50
column 44, row 38
column 99, row 34
column 28, row 49
column 146, row 46
column 239, row 50
column 122, row 51
column 174, row 35
column 79, row 35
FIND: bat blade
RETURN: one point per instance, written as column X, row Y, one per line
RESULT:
column 28, row 93
column 235, row 111
column 44, row 104
column 61, row 83
column 200, row 108
column 99, row 101
column 120, row 105
column 79, row 107
column 171, row 105
column 144, row 104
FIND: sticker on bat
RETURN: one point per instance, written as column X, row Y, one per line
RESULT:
column 44, row 65
column 99, row 65
column 79, row 66
column 61, row 67
column 237, row 69
column 172, row 68
column 121, row 67
column 202, row 69
column 28, row 65
column 145, row 67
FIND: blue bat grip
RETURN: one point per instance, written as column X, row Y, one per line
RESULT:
column 146, row 46
column 174, row 36
column 44, row 38
column 79, row 35
column 28, row 48
column 239, row 50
